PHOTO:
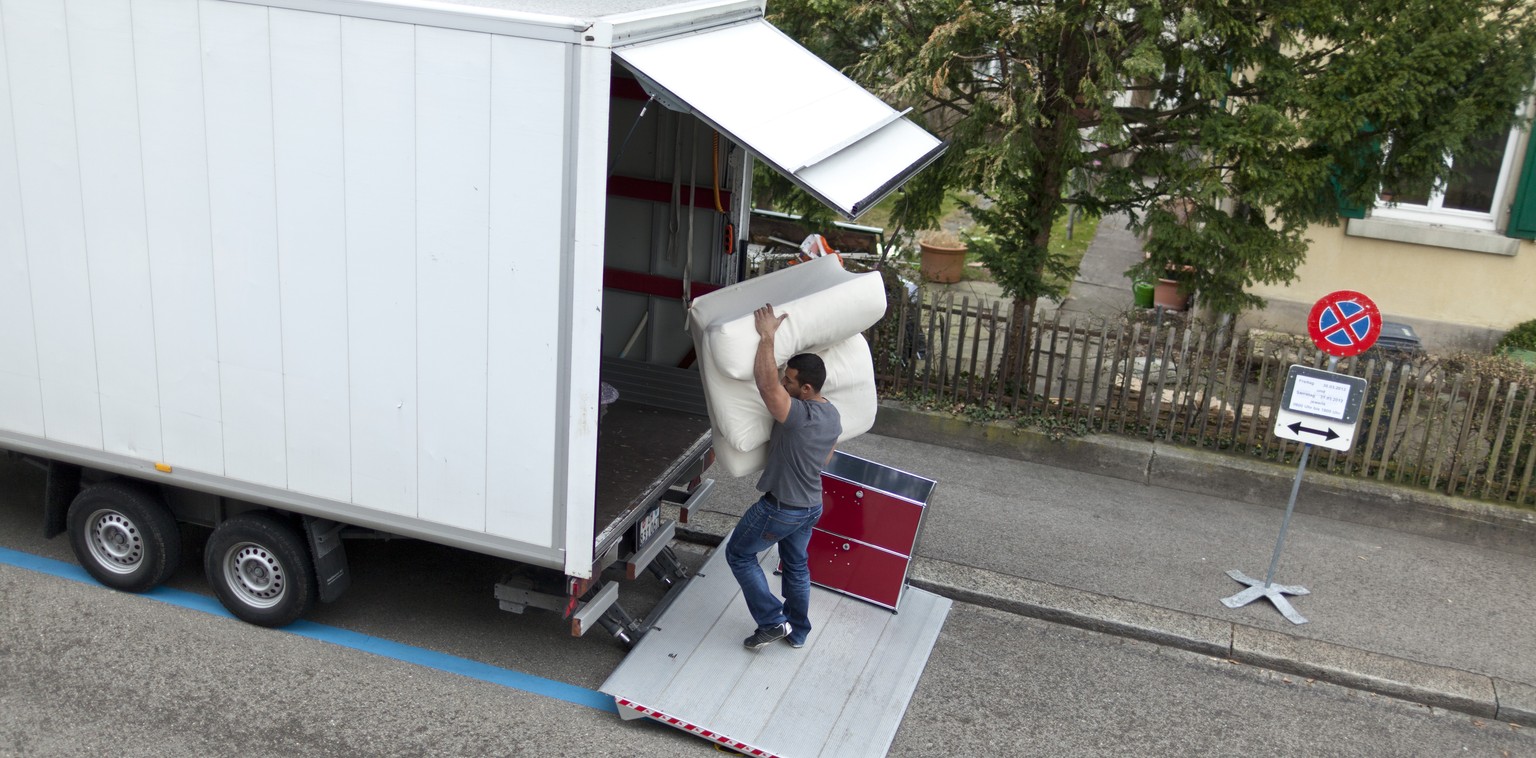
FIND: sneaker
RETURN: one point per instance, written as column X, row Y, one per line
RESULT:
column 766, row 636
column 794, row 643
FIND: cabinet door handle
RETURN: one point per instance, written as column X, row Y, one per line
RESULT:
column 847, row 546
column 859, row 494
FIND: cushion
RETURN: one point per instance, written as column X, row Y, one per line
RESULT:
column 828, row 309
column 825, row 304
column 742, row 423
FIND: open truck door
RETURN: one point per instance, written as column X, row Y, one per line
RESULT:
column 791, row 109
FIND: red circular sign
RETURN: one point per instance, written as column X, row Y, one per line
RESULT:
column 1344, row 323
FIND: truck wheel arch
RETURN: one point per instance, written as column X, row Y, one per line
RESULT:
column 63, row 485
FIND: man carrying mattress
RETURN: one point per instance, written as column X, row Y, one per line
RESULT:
column 805, row 430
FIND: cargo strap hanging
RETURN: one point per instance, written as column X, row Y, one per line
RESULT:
column 677, row 188
column 729, row 242
column 693, row 168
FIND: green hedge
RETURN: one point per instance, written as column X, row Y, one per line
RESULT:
column 1522, row 337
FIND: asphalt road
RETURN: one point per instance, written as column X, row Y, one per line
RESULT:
column 88, row 671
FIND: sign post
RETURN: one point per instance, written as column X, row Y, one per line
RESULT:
column 1317, row 408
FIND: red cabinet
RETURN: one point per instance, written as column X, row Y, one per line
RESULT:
column 870, row 520
column 858, row 568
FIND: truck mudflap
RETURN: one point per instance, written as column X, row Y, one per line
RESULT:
column 843, row 694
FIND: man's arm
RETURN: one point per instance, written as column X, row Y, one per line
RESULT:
column 764, row 370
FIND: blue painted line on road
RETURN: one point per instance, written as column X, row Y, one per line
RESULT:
column 452, row 664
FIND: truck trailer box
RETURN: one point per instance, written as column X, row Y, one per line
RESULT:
column 324, row 266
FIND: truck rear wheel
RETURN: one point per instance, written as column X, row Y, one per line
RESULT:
column 124, row 536
column 260, row 569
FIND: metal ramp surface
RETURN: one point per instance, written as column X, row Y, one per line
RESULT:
column 843, row 694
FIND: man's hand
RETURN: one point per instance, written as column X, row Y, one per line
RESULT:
column 767, row 323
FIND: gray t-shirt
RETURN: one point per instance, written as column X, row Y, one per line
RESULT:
column 797, row 450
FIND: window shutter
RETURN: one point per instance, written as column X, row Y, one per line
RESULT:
column 1346, row 208
column 1522, row 213
column 1332, row 193
column 1342, row 179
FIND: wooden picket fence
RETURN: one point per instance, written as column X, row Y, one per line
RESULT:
column 1421, row 424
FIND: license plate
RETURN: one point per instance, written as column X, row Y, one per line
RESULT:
column 649, row 524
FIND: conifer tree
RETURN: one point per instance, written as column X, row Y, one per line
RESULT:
column 1224, row 128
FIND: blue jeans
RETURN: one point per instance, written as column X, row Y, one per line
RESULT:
column 761, row 527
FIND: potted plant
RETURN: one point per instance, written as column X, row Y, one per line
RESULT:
column 943, row 256
column 1165, row 291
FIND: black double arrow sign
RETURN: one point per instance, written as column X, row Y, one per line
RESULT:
column 1327, row 433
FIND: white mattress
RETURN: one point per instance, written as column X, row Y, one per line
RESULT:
column 828, row 310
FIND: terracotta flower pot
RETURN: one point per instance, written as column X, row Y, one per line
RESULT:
column 1166, row 294
column 942, row 264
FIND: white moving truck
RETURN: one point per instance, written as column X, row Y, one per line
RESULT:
column 300, row 270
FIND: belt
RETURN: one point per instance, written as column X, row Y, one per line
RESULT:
column 773, row 501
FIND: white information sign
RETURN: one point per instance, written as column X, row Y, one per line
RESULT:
column 1320, row 407
column 1319, row 397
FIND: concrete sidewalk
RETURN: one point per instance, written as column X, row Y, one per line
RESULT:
column 1412, row 597
column 1101, row 290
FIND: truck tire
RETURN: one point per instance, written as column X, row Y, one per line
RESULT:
column 124, row 536
column 260, row 569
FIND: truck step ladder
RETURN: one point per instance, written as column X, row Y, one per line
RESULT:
column 843, row 694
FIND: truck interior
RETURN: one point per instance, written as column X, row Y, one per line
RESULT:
column 669, row 237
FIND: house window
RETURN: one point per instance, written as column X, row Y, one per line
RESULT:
column 1471, row 199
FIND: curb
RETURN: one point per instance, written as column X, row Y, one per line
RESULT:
column 1413, row 681
column 1427, row 684
column 1247, row 480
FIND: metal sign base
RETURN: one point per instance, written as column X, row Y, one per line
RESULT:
column 1268, row 589
column 1275, row 593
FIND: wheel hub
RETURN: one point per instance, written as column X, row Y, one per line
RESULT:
column 255, row 574
column 115, row 542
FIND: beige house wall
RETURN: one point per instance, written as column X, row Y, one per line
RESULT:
column 1460, row 289
column 1455, row 298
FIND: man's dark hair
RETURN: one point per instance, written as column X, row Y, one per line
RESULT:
column 809, row 369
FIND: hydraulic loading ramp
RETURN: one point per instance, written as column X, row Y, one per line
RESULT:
column 843, row 694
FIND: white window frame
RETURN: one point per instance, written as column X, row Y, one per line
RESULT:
column 1433, row 213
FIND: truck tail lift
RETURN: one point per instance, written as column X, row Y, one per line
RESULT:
column 843, row 694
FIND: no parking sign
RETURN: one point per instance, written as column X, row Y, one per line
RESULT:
column 1344, row 323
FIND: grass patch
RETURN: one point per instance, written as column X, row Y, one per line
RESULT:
column 880, row 215
column 1082, row 236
